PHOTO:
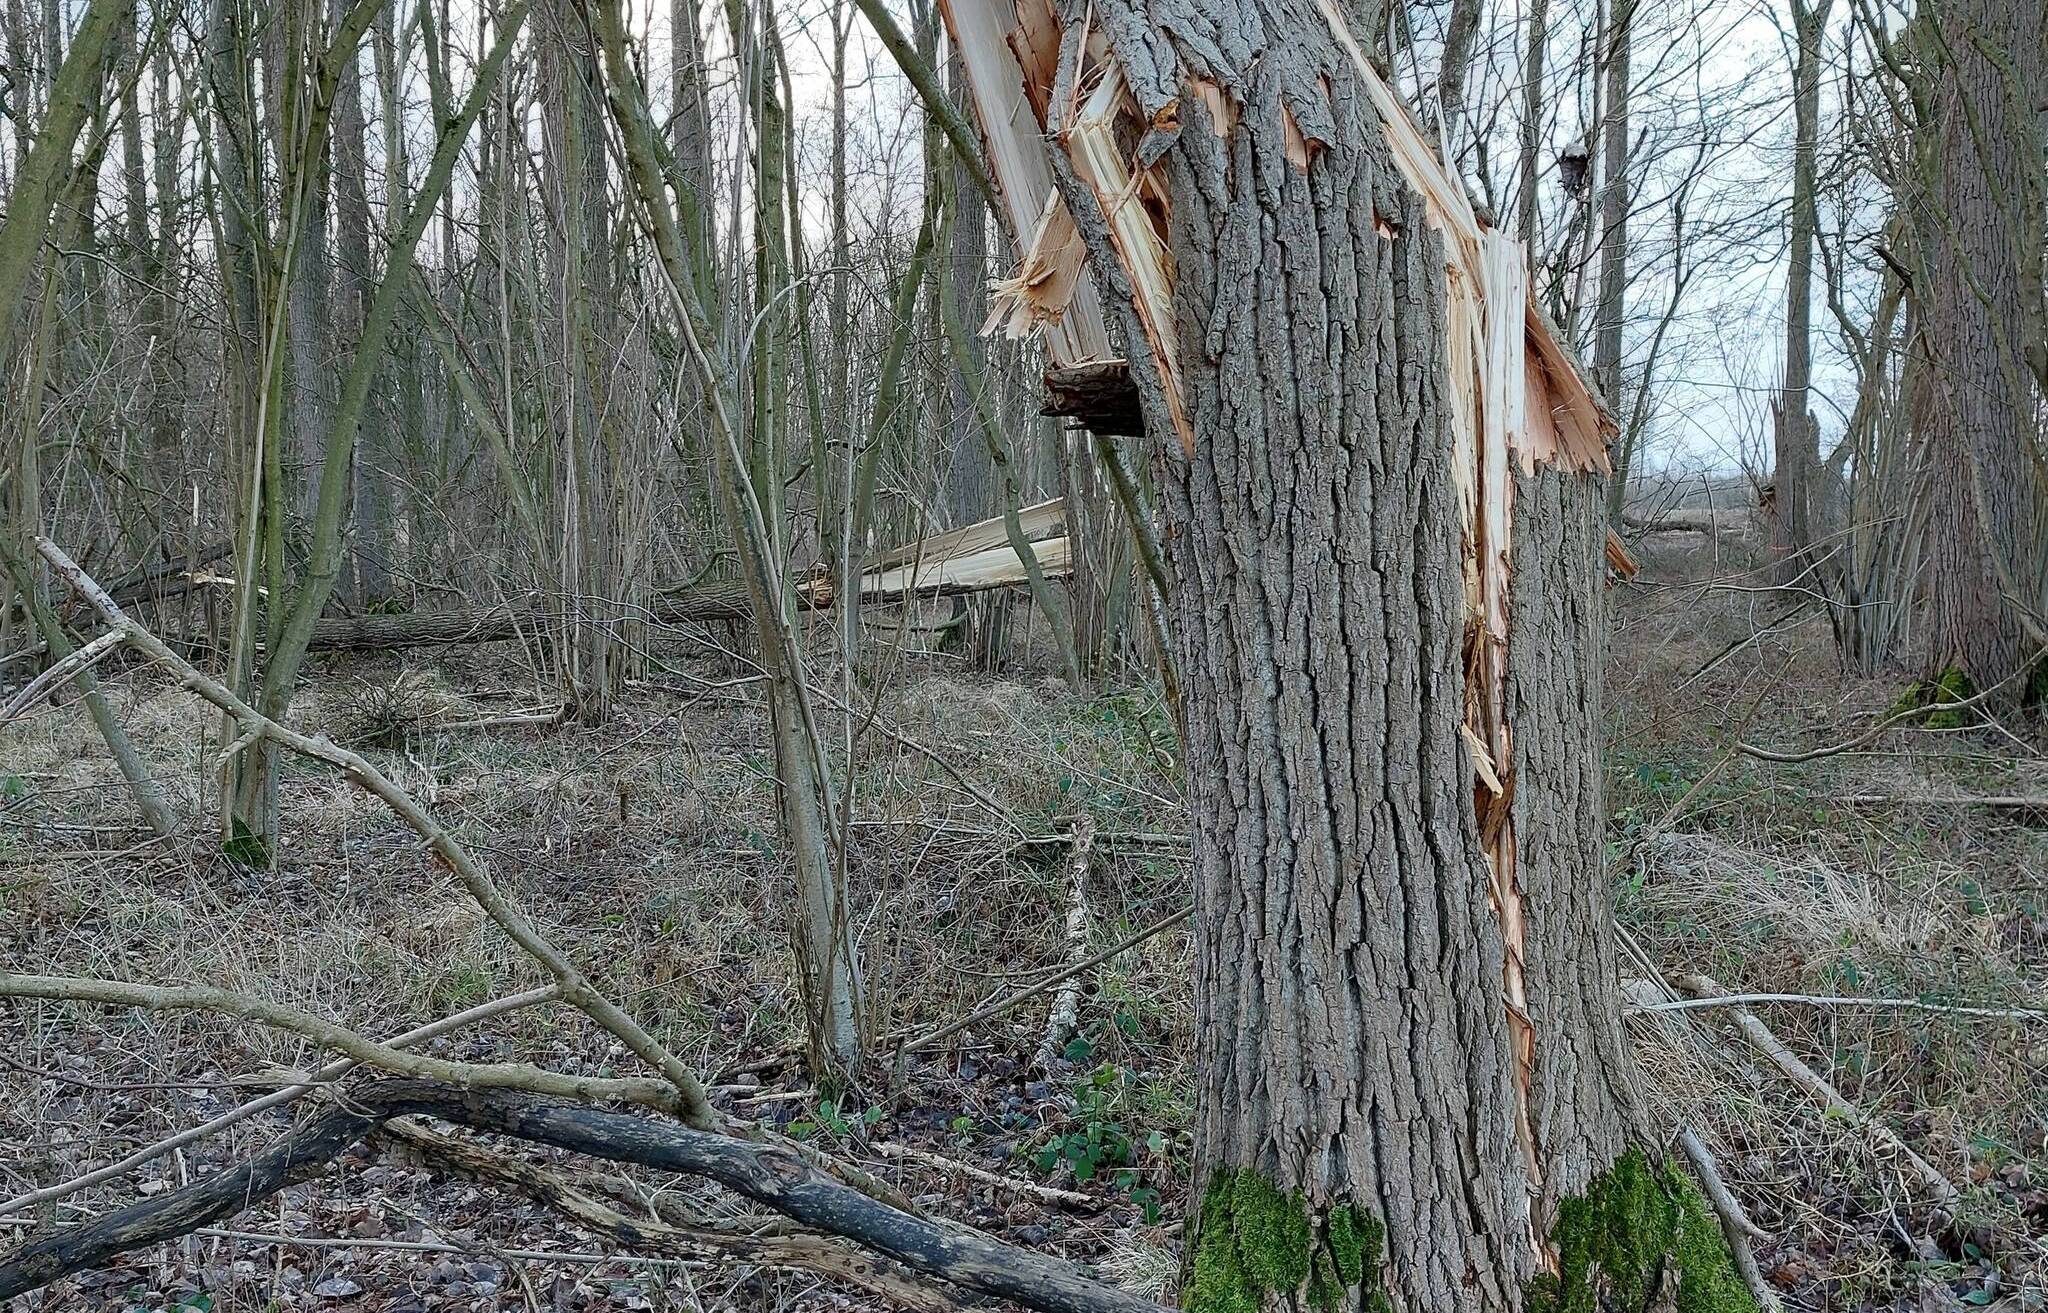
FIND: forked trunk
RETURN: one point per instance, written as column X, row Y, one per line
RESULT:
column 1380, row 481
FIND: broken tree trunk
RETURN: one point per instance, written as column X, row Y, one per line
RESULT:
column 1381, row 479
column 967, row 560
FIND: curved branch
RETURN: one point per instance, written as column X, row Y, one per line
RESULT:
column 769, row 1175
column 692, row 1103
column 644, row 1091
column 333, row 1071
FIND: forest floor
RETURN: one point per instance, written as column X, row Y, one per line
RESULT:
column 648, row 848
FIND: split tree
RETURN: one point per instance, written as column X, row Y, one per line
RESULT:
column 1381, row 481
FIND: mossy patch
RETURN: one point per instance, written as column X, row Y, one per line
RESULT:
column 1257, row 1243
column 1938, row 697
column 244, row 848
column 1615, row 1244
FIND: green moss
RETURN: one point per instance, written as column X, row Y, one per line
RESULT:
column 1256, row 1242
column 1937, row 696
column 1616, row 1243
column 243, row 848
column 1950, row 686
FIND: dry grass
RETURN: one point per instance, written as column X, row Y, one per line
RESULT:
column 649, row 847
column 1767, row 881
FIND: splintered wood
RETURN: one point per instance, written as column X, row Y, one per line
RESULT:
column 1517, row 397
column 964, row 560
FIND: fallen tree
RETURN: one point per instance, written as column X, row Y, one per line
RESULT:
column 966, row 560
column 686, row 1135
column 768, row 1174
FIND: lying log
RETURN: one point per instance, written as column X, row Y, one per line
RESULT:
column 966, row 571
column 160, row 583
column 1729, row 520
column 765, row 1173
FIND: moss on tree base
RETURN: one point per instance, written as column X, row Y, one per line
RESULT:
column 1257, row 1246
column 1640, row 1238
column 1939, row 697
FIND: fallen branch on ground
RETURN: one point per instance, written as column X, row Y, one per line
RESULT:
column 643, row 1091
column 1997, row 801
column 1844, row 1001
column 1051, row 1194
column 1065, row 1017
column 1823, row 1092
column 767, row 1174
column 1736, row 1227
column 81, row 660
column 333, row 1071
column 808, row 1252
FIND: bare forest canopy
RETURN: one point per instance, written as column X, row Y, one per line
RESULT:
column 1024, row 653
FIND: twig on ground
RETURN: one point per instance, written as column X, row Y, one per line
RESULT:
column 1897, row 717
column 1065, row 1017
column 1012, row 999
column 81, row 660
column 1844, row 1001
column 1716, row 1189
column 1999, row 801
column 439, row 1247
column 1770, row 1046
column 1051, row 1194
column 277, row 1098
column 1735, row 1224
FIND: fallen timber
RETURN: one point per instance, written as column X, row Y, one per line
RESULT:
column 966, row 560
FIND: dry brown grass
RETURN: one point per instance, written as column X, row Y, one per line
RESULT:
column 649, row 848
column 1768, row 882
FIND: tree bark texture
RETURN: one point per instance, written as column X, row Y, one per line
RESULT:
column 1405, row 972
column 1977, row 412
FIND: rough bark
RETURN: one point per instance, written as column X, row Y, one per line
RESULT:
column 1351, row 1032
column 1977, row 414
column 1411, row 1070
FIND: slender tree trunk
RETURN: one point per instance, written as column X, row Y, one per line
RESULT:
column 1460, row 31
column 1611, row 314
column 369, row 580
column 969, row 476
column 1535, row 58
column 45, row 168
column 1977, row 415
column 971, row 483
column 827, row 947
column 1796, row 434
